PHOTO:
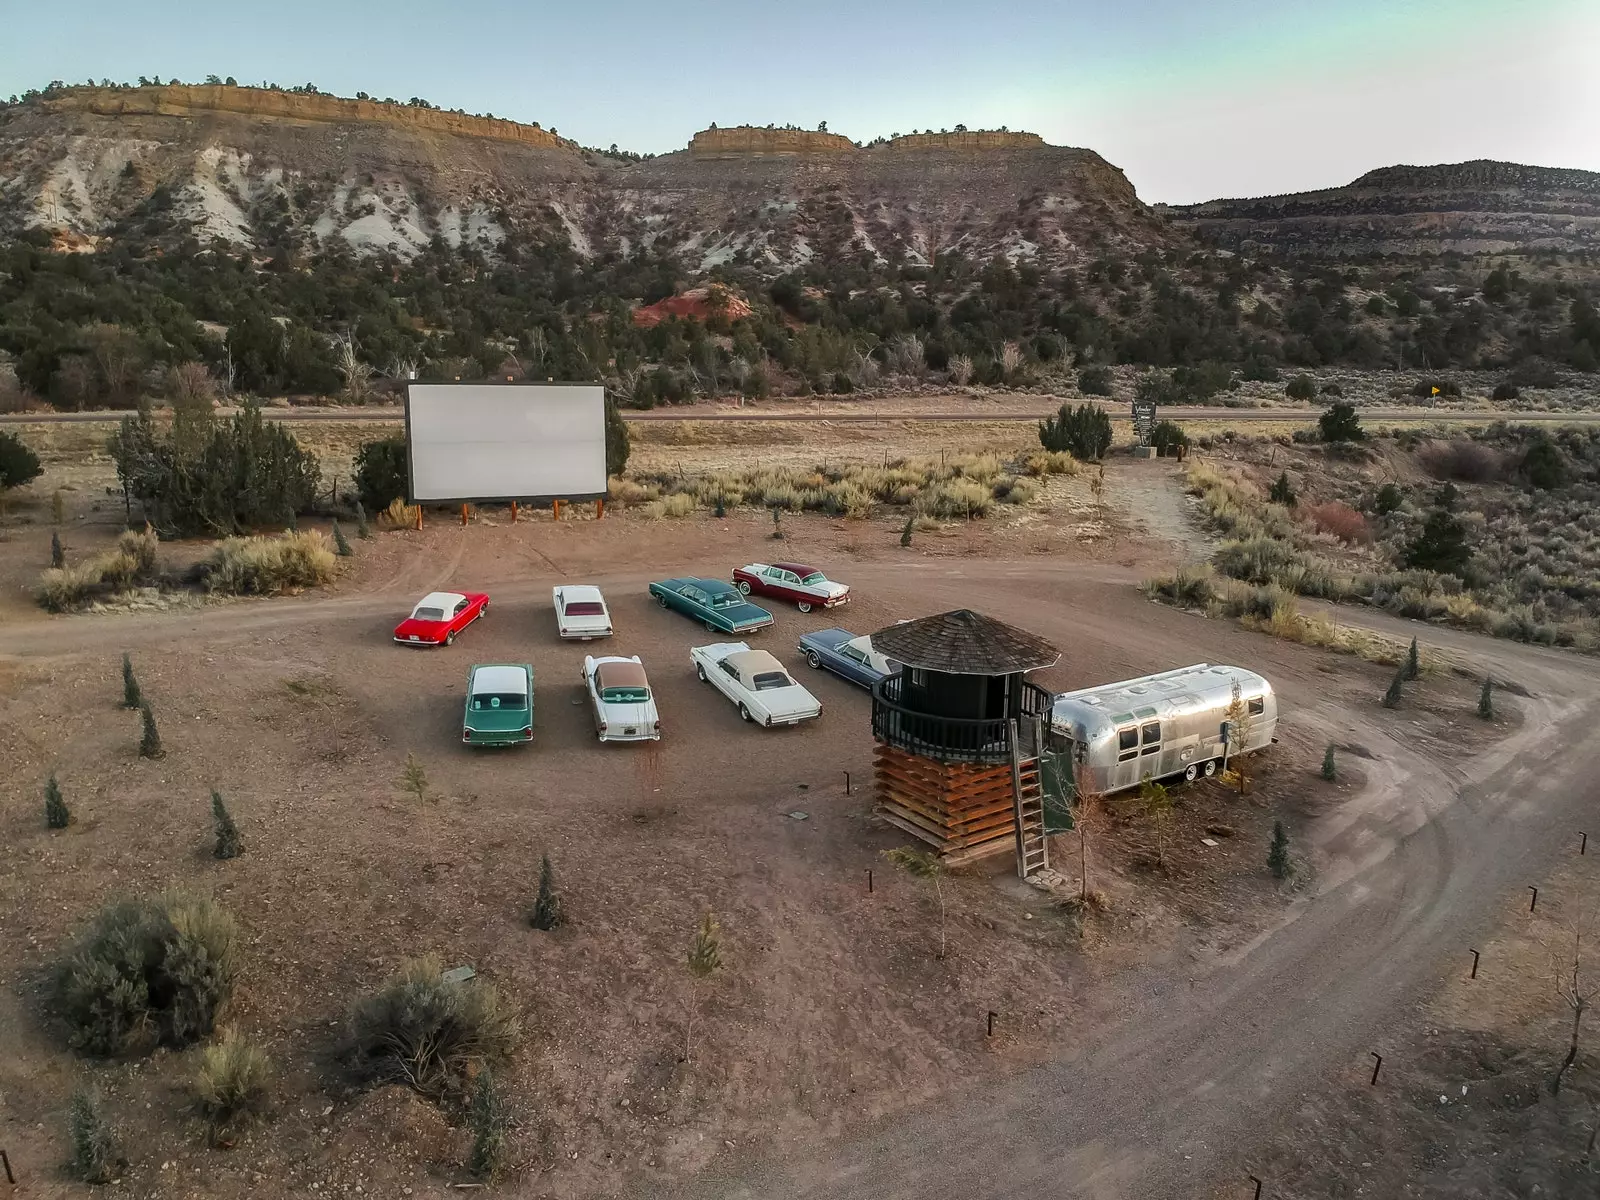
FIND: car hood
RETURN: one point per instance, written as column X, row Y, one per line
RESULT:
column 423, row 629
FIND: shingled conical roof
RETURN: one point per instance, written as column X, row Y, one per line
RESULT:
column 965, row 643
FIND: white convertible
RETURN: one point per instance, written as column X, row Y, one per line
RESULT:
column 756, row 682
column 620, row 699
column 581, row 612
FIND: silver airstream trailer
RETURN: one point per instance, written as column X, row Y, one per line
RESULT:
column 1170, row 724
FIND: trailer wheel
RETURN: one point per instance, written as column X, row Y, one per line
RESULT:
column 1191, row 773
column 1211, row 768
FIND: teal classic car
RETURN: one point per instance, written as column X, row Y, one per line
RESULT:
column 715, row 603
column 499, row 705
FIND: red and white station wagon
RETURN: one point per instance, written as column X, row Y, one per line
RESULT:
column 439, row 616
column 808, row 587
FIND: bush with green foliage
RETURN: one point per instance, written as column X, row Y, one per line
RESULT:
column 232, row 1087
column 229, row 843
column 1486, row 699
column 1413, row 663
column 1505, row 390
column 1094, row 380
column 147, row 973
column 1084, row 431
column 341, row 545
column 1341, row 424
column 1441, row 544
column 382, row 472
column 92, row 1138
column 491, row 1128
column 56, row 813
column 18, row 464
column 905, row 532
column 1168, row 438
column 363, row 529
column 1278, row 861
column 132, row 697
column 1396, row 689
column 232, row 475
column 1282, row 492
column 1330, row 769
column 149, row 735
column 426, row 1032
column 1544, row 466
column 1301, row 387
column 618, row 443
column 1388, row 500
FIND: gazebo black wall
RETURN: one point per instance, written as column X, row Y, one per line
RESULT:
column 969, row 697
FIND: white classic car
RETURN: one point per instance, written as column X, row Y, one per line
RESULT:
column 620, row 699
column 581, row 612
column 756, row 682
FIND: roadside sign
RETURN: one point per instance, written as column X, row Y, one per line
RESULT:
column 1144, row 420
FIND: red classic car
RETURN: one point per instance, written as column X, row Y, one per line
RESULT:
column 806, row 586
column 439, row 616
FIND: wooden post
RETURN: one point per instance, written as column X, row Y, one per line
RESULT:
column 513, row 512
column 555, row 510
column 463, row 514
column 419, row 516
column 599, row 508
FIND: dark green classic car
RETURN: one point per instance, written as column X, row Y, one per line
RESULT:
column 715, row 603
column 499, row 705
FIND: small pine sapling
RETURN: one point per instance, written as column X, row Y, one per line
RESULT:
column 56, row 813
column 1413, row 662
column 1278, row 855
column 777, row 523
column 94, row 1142
column 1158, row 806
column 547, row 906
column 1282, row 492
column 1330, row 771
column 58, row 556
column 415, row 779
column 363, row 530
column 1391, row 698
column 490, row 1128
column 58, row 507
column 1486, row 699
column 149, row 737
column 905, row 533
column 229, row 843
column 705, row 956
column 721, row 510
column 132, row 697
column 341, row 546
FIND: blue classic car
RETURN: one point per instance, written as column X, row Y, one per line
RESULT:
column 713, row 602
column 850, row 657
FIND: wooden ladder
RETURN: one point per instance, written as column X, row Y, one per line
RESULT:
column 1027, row 794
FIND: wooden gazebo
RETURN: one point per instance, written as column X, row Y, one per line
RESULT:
column 956, row 762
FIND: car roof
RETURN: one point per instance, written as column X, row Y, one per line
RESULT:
column 612, row 672
column 500, row 677
column 751, row 662
column 797, row 568
column 580, row 591
column 440, row 600
column 713, row 585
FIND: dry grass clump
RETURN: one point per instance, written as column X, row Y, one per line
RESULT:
column 401, row 515
column 131, row 561
column 420, row 1030
column 1050, row 462
column 672, row 507
column 231, row 1086
column 1341, row 521
column 956, row 498
column 270, row 566
column 147, row 973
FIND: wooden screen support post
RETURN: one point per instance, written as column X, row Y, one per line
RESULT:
column 599, row 508
column 463, row 514
column 555, row 510
column 513, row 512
column 419, row 516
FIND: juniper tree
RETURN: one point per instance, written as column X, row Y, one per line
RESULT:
column 1281, row 492
column 1278, row 855
column 229, row 843
column 149, row 737
column 1391, row 697
column 363, row 530
column 905, row 533
column 547, row 906
column 1413, row 661
column 56, row 813
column 1486, row 699
column 58, row 556
column 340, row 545
column 721, row 510
column 132, row 697
column 1329, row 771
column 490, row 1127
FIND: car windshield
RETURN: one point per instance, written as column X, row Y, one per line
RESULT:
column 490, row 700
column 625, row 695
column 766, row 681
column 427, row 614
column 814, row 577
column 726, row 600
column 586, row 608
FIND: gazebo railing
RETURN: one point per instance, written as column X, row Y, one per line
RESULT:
column 949, row 739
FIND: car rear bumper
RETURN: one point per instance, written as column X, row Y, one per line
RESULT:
column 411, row 641
column 630, row 737
column 484, row 737
column 584, row 635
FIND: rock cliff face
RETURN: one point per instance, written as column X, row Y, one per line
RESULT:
column 263, row 169
column 1471, row 207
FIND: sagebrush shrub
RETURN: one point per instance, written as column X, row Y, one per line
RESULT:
column 268, row 566
column 232, row 1086
column 422, row 1031
column 148, row 972
column 93, row 1140
column 1340, row 520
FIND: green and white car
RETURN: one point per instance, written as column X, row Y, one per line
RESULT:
column 499, row 705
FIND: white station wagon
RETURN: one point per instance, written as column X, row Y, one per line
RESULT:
column 620, row 698
column 581, row 612
column 755, row 681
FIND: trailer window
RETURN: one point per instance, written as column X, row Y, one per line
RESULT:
column 1152, row 738
column 1127, row 744
column 1257, row 706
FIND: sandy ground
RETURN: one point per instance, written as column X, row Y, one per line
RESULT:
column 835, row 1017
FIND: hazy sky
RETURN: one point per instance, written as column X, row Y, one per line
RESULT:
column 1192, row 99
